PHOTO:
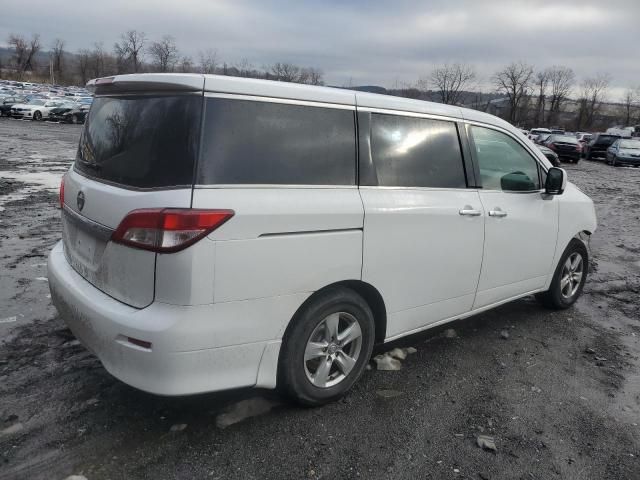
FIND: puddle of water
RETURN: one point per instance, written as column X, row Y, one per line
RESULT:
column 34, row 183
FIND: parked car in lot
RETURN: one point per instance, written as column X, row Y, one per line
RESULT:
column 550, row 154
column 34, row 109
column 277, row 244
column 583, row 138
column 566, row 147
column 535, row 132
column 598, row 145
column 624, row 152
column 68, row 112
column 6, row 104
column 542, row 138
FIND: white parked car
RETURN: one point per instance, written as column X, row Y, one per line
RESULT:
column 535, row 132
column 36, row 109
column 234, row 232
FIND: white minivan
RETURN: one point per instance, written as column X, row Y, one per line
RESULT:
column 225, row 232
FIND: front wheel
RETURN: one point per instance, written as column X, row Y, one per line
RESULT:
column 568, row 279
column 327, row 347
column 37, row 116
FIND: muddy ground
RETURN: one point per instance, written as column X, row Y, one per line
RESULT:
column 560, row 394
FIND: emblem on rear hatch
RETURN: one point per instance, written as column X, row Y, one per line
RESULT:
column 80, row 201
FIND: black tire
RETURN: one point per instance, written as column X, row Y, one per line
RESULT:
column 293, row 373
column 37, row 116
column 74, row 119
column 614, row 162
column 554, row 298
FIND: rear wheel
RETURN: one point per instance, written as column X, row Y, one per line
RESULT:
column 327, row 347
column 568, row 279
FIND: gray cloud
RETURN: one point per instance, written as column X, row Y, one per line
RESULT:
column 372, row 42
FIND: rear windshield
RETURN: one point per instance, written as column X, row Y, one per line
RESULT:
column 630, row 144
column 564, row 139
column 141, row 141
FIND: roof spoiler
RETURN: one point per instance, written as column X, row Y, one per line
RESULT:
column 147, row 82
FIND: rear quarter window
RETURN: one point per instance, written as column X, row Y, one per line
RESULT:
column 248, row 142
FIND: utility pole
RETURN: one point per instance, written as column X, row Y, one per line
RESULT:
column 51, row 77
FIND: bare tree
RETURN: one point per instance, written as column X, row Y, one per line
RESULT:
column 24, row 52
column 245, row 68
column 19, row 45
column 164, row 54
column 314, row 76
column 562, row 79
column 208, row 60
column 131, row 48
column 451, row 81
column 97, row 60
column 630, row 102
column 285, row 72
column 592, row 93
column 542, row 85
column 186, row 64
column 57, row 58
column 84, row 58
column 514, row 81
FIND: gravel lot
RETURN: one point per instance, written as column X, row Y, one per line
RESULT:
column 558, row 391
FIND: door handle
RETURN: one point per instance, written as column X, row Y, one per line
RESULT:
column 470, row 212
column 497, row 213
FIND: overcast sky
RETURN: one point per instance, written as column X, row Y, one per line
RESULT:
column 384, row 43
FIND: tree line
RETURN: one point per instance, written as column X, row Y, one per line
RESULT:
column 531, row 97
column 134, row 52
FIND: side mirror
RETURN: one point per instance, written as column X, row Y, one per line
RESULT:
column 556, row 181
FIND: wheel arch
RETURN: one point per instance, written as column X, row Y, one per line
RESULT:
column 368, row 292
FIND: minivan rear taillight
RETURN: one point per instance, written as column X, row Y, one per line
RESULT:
column 62, row 192
column 166, row 230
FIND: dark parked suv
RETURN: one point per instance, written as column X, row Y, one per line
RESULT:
column 597, row 147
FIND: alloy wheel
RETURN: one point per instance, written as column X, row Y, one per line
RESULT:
column 332, row 350
column 572, row 273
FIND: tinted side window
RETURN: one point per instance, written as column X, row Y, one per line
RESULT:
column 248, row 142
column 416, row 152
column 504, row 164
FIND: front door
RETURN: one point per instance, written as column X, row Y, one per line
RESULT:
column 521, row 225
column 423, row 229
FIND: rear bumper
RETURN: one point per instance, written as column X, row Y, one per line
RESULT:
column 570, row 155
column 178, row 362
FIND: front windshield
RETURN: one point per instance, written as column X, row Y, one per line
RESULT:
column 36, row 102
column 630, row 144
